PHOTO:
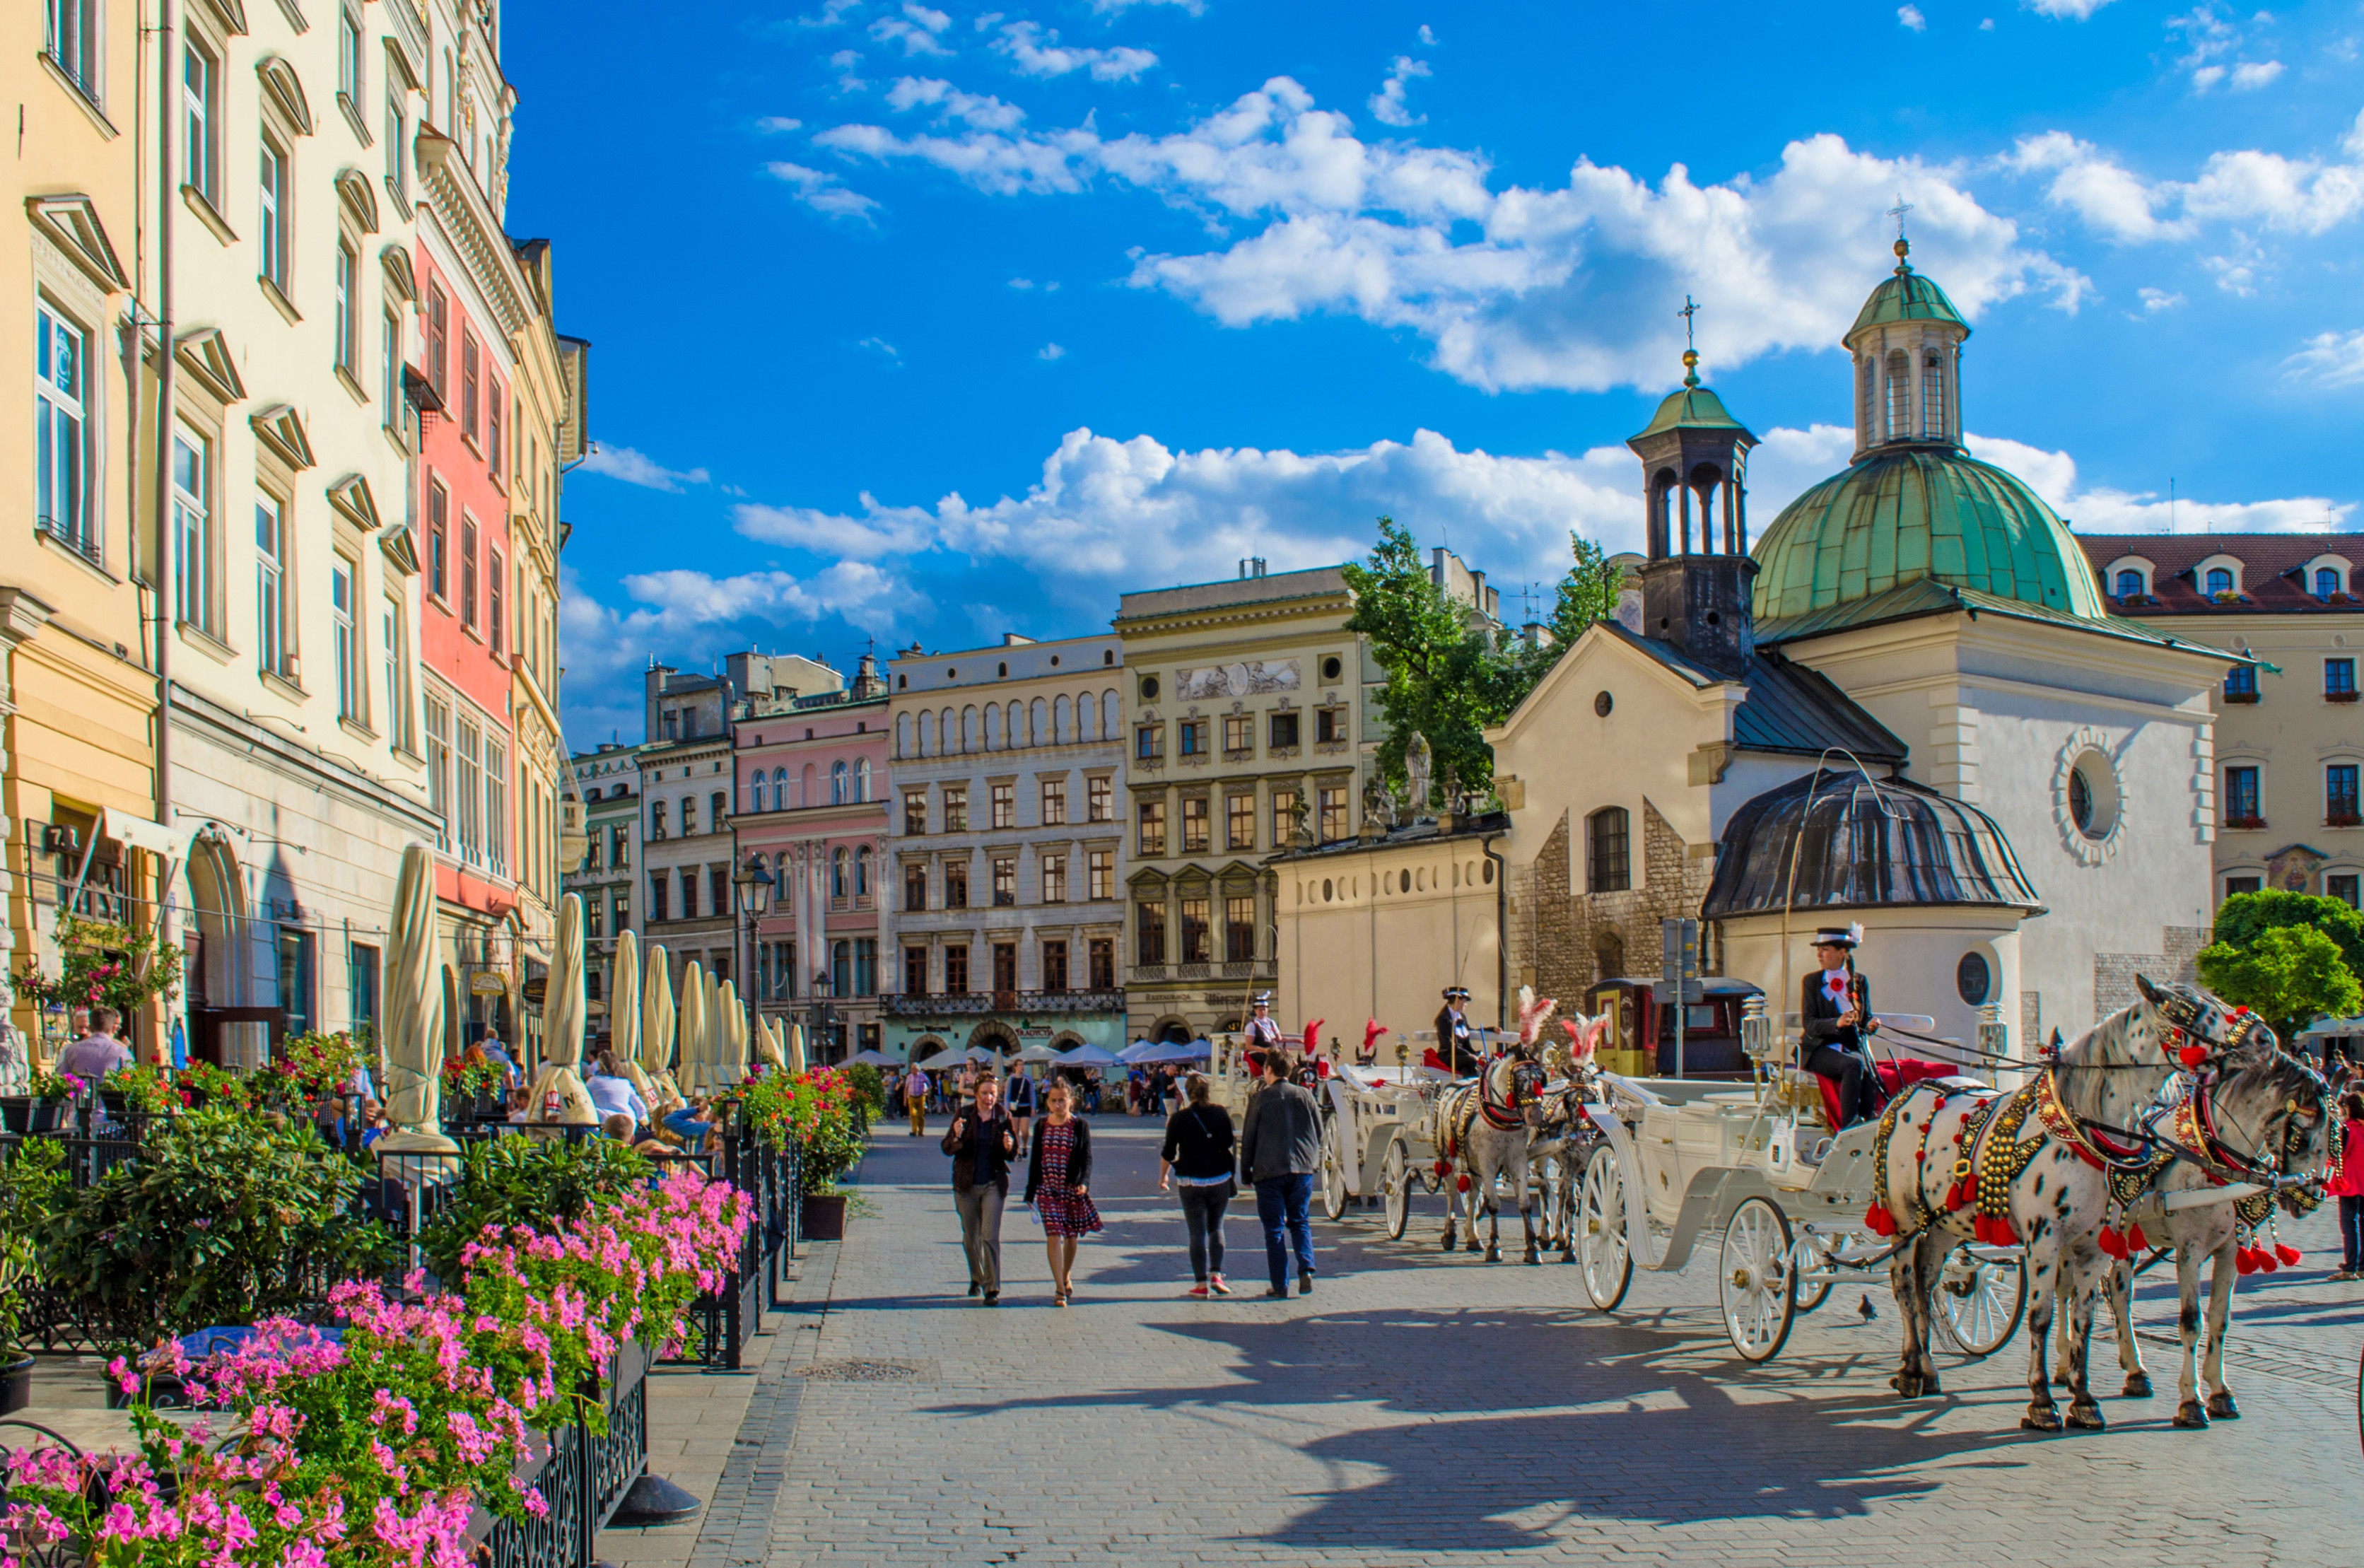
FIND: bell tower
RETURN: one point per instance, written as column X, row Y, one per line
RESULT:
column 1695, row 451
column 1907, row 347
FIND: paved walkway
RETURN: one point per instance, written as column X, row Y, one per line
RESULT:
column 1421, row 1409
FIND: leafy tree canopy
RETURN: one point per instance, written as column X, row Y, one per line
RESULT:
column 2246, row 916
column 1448, row 676
column 2290, row 975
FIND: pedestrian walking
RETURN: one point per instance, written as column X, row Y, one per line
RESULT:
column 1059, row 1184
column 2347, row 1183
column 1197, row 1158
column 981, row 1142
column 1280, row 1148
column 1019, row 1094
column 915, row 1101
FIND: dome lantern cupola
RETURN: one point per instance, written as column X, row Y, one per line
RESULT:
column 1907, row 344
column 1693, row 449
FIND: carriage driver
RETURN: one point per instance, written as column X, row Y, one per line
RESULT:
column 1457, row 1041
column 1264, row 1035
column 1836, row 1012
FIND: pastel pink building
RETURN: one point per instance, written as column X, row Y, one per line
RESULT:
column 812, row 816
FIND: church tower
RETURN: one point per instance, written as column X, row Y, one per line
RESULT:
column 1694, row 451
column 1907, row 344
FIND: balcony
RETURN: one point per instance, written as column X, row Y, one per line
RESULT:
column 978, row 1004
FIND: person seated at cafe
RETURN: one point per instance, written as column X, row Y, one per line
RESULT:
column 612, row 1092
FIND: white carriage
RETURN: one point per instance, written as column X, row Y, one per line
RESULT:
column 1688, row 1158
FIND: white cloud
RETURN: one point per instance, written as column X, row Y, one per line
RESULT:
column 1118, row 7
column 777, row 125
column 635, row 468
column 1426, row 35
column 2156, row 300
column 1987, row 26
column 821, row 191
column 2053, row 475
column 983, row 112
column 832, row 14
column 2329, row 359
column 1051, row 351
column 1911, row 18
column 2075, row 10
column 844, row 61
column 1021, row 283
column 880, row 345
column 1569, row 287
column 1035, row 50
column 880, row 530
column 2301, row 195
column 1387, row 105
column 916, row 30
column 2246, row 77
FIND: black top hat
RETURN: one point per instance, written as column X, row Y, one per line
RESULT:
column 1462, row 992
column 1839, row 936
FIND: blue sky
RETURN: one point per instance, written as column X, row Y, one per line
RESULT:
column 925, row 323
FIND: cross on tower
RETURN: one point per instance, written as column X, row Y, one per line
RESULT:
column 1688, row 311
column 1897, row 212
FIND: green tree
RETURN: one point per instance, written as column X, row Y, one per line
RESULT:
column 2246, row 916
column 2290, row 975
column 1449, row 678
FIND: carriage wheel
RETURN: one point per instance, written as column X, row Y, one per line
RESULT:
column 1980, row 1301
column 1334, row 1172
column 1395, row 1182
column 1812, row 1255
column 1601, row 1247
column 1756, row 1287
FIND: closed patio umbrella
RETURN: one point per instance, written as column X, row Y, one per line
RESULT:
column 414, row 1013
column 767, row 1045
column 624, row 1013
column 729, row 1064
column 659, row 1025
column 559, row 1096
column 796, row 1061
column 690, row 1069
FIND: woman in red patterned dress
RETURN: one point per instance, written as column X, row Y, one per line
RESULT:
column 1058, row 1179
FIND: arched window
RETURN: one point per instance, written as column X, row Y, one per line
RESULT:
column 952, row 732
column 927, row 735
column 811, row 783
column 972, row 737
column 2220, row 580
column 1867, row 417
column 861, row 871
column 1110, row 714
column 862, row 778
column 2129, row 584
column 993, row 737
column 1086, row 720
column 837, row 782
column 1609, row 846
column 1038, row 723
column 1900, row 396
column 763, row 793
column 1933, row 397
column 837, row 872
column 1063, row 723
column 780, row 786
column 656, row 819
column 2326, row 581
column 688, row 816
column 902, row 735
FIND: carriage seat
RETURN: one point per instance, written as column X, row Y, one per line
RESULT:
column 1894, row 1077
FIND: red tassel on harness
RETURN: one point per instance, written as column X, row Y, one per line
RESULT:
column 1879, row 1221
column 1441, row 1168
column 2136, row 1240
column 2291, row 1256
column 2001, row 1234
column 1462, row 1185
column 2244, row 1261
column 2193, row 1055
column 2113, row 1244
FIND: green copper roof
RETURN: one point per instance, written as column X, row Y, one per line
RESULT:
column 1906, row 295
column 1908, row 513
column 1693, row 408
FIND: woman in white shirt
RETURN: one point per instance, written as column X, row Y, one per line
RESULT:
column 612, row 1094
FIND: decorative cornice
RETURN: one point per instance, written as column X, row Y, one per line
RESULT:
column 72, row 221
column 474, row 233
column 205, row 355
column 281, row 430
column 284, row 90
column 351, row 496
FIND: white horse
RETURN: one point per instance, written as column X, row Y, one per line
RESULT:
column 1487, row 1128
column 1954, row 1161
column 2265, row 1115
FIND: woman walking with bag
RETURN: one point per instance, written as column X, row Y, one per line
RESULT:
column 1197, row 1156
column 981, row 1142
column 1058, row 1181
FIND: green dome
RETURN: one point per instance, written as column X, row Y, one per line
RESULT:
column 1904, row 514
column 1906, row 295
column 1693, row 409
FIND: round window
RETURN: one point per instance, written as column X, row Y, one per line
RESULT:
column 1328, row 890
column 1974, row 979
column 1601, row 703
column 1331, row 668
column 1149, row 688
column 2092, row 795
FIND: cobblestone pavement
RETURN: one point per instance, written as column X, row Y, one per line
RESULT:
column 1425, row 1409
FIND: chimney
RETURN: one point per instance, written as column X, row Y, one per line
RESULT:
column 1252, row 566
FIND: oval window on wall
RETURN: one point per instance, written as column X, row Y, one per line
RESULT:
column 1974, row 979
column 2093, row 796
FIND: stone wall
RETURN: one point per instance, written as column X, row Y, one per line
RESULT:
column 2113, row 972
column 1559, row 931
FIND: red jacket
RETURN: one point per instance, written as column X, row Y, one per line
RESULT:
column 2347, row 1169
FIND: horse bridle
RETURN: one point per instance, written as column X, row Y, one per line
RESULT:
column 2227, row 1165
column 1525, row 1088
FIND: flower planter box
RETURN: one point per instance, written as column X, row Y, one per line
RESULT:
column 2249, row 823
column 15, row 1384
column 22, row 1113
column 822, row 1217
column 2341, row 696
column 2242, row 698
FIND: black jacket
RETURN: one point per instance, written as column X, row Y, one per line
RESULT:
column 1818, row 1016
column 1458, row 1047
column 1200, row 1142
column 1079, row 1158
column 1283, row 1136
column 970, row 1151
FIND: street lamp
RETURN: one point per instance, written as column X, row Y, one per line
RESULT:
column 754, row 886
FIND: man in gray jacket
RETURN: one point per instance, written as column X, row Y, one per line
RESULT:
column 1280, row 1148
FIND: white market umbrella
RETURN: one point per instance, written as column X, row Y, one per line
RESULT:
column 624, row 1014
column 730, row 1062
column 1039, row 1053
column 691, row 1071
column 559, row 1096
column 1090, row 1056
column 1136, row 1050
column 982, row 1053
column 414, row 1013
column 797, row 1058
column 873, row 1058
column 659, row 1022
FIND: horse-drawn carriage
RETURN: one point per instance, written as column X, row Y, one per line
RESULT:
column 1685, row 1159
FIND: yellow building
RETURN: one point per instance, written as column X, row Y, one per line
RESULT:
column 77, row 686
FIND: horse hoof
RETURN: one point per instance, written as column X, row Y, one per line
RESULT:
column 2040, row 1419
column 1448, row 1241
column 1493, row 1254
column 2221, row 1406
column 1907, row 1385
column 1473, row 1246
column 2189, row 1415
column 2137, row 1386
column 1567, row 1257
column 1930, row 1385
column 2087, row 1417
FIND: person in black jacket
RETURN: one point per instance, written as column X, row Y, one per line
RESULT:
column 1197, row 1156
column 981, row 1140
column 1280, row 1148
column 1835, row 1012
